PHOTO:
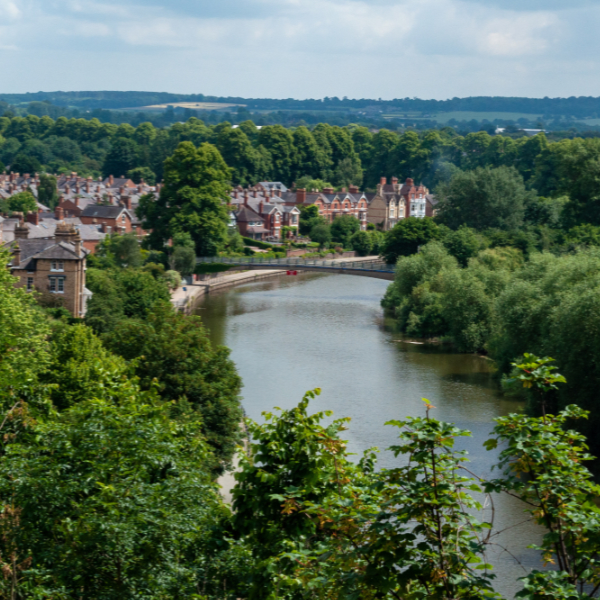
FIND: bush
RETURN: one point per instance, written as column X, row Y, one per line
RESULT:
column 258, row 244
column 204, row 268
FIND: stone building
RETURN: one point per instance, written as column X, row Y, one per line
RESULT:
column 53, row 267
column 395, row 201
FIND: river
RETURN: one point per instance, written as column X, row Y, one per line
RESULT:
column 291, row 334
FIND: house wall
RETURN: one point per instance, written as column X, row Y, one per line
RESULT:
column 74, row 282
column 114, row 224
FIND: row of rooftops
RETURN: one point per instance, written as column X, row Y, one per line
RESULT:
column 66, row 244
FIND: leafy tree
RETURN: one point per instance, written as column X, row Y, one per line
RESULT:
column 406, row 237
column 321, row 234
column 193, row 200
column 112, row 499
column 309, row 184
column 309, row 217
column 484, row 198
column 126, row 250
column 2, row 166
column 122, row 158
column 245, row 162
column 23, row 334
column 22, row 163
column 348, row 172
column 23, row 202
column 183, row 255
column 176, row 350
column 311, row 162
column 280, row 144
column 362, row 242
column 47, row 191
column 343, row 228
column 463, row 244
column 140, row 174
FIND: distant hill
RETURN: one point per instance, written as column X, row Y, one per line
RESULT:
column 578, row 107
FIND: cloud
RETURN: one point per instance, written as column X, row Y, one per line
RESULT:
column 306, row 48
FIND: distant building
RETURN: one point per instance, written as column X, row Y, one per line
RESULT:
column 395, row 201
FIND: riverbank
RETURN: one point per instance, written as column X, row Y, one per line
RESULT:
column 184, row 298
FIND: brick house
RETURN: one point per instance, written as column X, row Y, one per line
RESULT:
column 53, row 267
column 395, row 201
column 115, row 219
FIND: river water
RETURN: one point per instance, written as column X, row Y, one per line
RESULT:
column 291, row 334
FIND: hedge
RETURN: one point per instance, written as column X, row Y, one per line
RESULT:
column 258, row 244
column 204, row 268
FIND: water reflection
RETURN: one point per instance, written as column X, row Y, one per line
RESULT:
column 291, row 334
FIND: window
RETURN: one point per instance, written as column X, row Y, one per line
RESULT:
column 29, row 284
column 294, row 219
column 123, row 219
column 57, row 285
column 57, row 265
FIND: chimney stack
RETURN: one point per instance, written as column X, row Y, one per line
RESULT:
column 383, row 181
column 16, row 261
column 77, row 242
column 33, row 218
column 59, row 213
column 21, row 230
column 261, row 205
column 301, row 196
column 65, row 232
column 111, row 180
column 394, row 180
column 354, row 189
column 410, row 182
column 128, row 202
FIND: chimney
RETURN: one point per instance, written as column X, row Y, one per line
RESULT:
column 383, row 181
column 354, row 189
column 328, row 190
column 122, row 190
column 59, row 213
column 301, row 196
column 410, row 182
column 88, row 187
column 33, row 218
column 111, row 180
column 128, row 202
column 261, row 205
column 21, row 230
column 65, row 232
column 246, row 198
column 343, row 190
column 77, row 242
column 16, row 261
column 140, row 189
column 77, row 201
column 394, row 180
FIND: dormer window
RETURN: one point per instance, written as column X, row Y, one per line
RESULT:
column 123, row 218
column 57, row 265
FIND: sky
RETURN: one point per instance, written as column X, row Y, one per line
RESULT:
column 303, row 48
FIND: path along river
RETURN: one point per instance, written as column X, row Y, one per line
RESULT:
column 292, row 334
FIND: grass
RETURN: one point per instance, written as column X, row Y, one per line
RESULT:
column 466, row 116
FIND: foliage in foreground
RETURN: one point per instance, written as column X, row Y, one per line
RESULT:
column 322, row 526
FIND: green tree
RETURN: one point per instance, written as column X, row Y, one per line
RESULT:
column 309, row 217
column 406, row 237
column 245, row 162
column 47, row 191
column 23, row 335
column 122, row 158
column 22, row 163
column 343, row 228
column 362, row 242
column 321, row 234
column 126, row 250
column 140, row 174
column 463, row 244
column 193, row 200
column 310, row 159
column 484, row 198
column 111, row 499
column 23, row 202
column 280, row 144
column 176, row 350
column 183, row 255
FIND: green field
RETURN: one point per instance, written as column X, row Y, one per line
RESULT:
column 466, row 116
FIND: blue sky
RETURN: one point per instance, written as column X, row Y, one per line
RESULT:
column 304, row 48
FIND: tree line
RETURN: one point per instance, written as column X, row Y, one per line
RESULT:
column 338, row 155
